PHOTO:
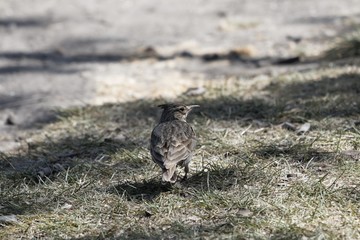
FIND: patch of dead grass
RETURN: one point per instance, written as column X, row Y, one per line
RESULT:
column 250, row 177
column 345, row 47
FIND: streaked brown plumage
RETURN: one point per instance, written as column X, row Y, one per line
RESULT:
column 173, row 140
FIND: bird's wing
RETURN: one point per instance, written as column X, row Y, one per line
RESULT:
column 156, row 145
column 172, row 143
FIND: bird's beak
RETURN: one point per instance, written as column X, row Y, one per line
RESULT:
column 193, row 106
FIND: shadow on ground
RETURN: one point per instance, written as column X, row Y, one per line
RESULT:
column 11, row 103
column 63, row 161
column 311, row 100
column 67, row 151
column 141, row 191
column 149, row 190
column 30, row 22
column 324, row 98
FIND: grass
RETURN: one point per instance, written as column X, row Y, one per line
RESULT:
column 88, row 175
column 346, row 47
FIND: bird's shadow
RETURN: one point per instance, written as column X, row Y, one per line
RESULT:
column 215, row 179
column 146, row 190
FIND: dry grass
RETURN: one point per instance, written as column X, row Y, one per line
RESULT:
column 89, row 175
column 346, row 47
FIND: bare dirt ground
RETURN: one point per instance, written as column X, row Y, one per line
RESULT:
column 56, row 54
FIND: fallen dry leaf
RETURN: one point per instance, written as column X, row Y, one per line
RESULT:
column 304, row 128
column 243, row 212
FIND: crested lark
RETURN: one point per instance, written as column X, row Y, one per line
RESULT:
column 173, row 141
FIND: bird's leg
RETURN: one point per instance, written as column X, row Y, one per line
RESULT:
column 174, row 177
column 186, row 169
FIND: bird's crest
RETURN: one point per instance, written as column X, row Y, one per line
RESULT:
column 168, row 105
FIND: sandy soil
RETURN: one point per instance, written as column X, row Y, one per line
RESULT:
column 56, row 54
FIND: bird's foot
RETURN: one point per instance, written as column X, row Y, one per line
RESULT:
column 184, row 178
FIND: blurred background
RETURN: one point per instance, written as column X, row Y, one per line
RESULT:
column 57, row 54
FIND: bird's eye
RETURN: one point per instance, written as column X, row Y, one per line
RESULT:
column 182, row 109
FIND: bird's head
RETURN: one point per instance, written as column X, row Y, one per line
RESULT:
column 173, row 111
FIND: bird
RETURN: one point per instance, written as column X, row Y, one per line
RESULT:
column 173, row 141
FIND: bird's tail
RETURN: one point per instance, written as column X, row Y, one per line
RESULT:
column 169, row 175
